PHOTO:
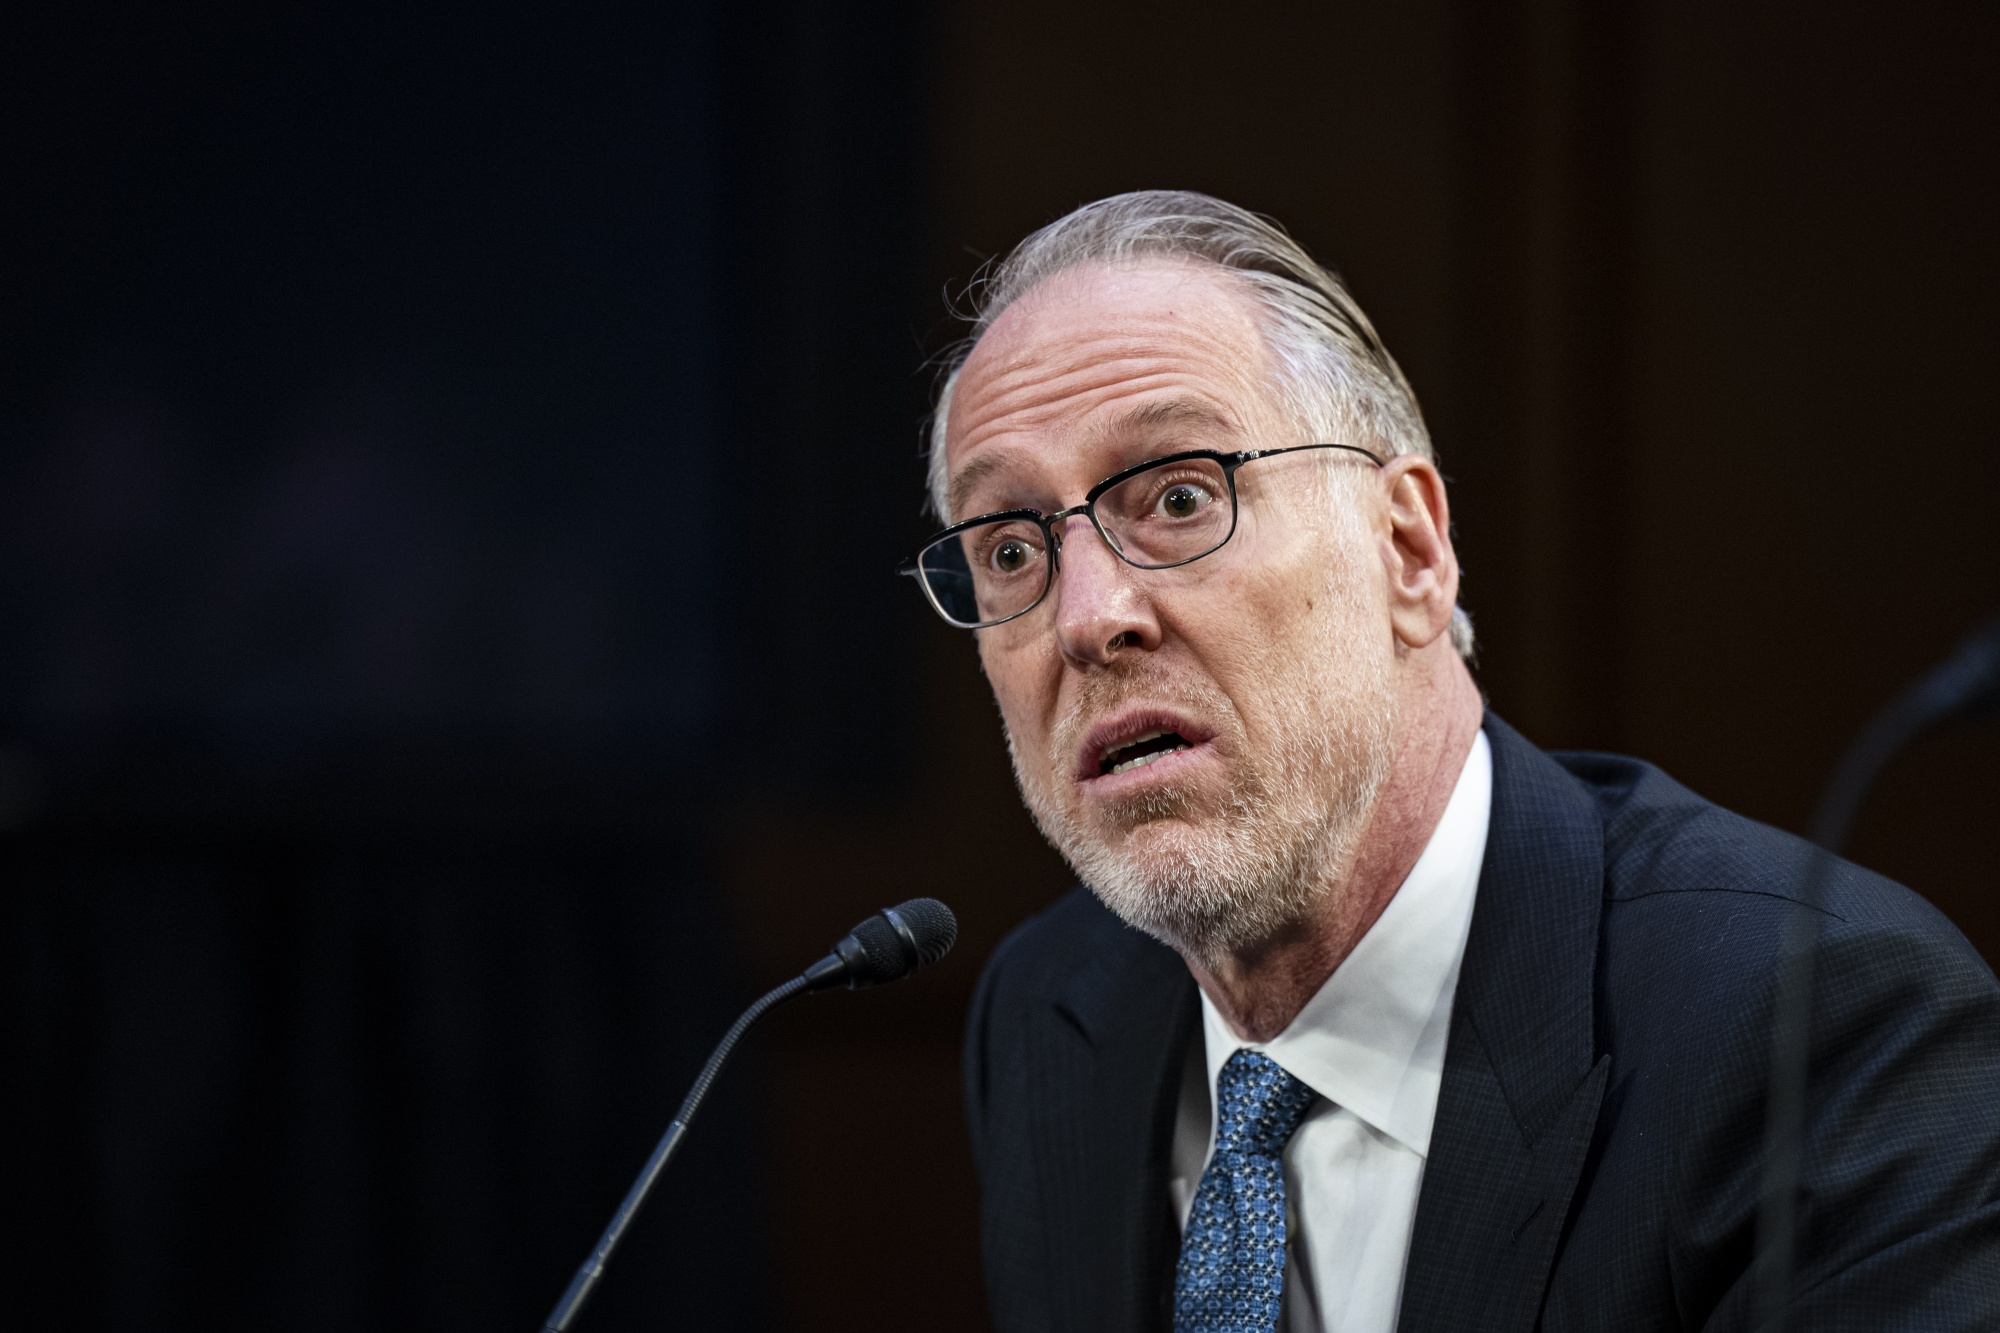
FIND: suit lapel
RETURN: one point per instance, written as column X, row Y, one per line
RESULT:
column 1522, row 1079
column 1107, row 1072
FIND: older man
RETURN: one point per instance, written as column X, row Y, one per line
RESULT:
column 1373, row 1015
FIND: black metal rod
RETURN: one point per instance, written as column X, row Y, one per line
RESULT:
column 1949, row 690
column 592, row 1269
column 1784, row 1115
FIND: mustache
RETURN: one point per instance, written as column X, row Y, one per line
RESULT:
column 1101, row 694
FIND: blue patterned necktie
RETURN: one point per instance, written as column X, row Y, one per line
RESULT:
column 1232, row 1271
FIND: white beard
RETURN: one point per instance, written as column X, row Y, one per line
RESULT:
column 1212, row 881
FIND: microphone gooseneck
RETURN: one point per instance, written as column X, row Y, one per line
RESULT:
column 888, row 946
column 1965, row 684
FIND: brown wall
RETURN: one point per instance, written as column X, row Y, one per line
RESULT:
column 1700, row 302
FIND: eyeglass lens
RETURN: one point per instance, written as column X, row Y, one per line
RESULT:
column 1165, row 515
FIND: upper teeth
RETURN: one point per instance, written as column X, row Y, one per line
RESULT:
column 1110, row 750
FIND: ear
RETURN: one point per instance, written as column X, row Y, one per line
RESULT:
column 1417, row 553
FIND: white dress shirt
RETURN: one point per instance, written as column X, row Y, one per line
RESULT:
column 1371, row 1043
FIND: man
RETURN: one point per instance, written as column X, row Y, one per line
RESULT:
column 1373, row 1015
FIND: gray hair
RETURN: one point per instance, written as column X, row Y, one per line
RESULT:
column 1334, row 376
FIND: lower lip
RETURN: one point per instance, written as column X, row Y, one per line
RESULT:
column 1173, row 764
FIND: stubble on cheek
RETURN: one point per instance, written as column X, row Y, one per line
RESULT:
column 1224, row 862
column 1148, row 854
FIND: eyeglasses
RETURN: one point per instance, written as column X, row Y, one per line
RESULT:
column 1161, row 513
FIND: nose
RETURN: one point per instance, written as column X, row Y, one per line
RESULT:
column 1101, row 610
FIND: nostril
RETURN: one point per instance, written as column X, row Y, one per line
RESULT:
column 1129, row 639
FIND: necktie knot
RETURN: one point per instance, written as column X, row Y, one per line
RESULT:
column 1258, row 1104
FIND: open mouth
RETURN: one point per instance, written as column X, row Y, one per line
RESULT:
column 1141, row 751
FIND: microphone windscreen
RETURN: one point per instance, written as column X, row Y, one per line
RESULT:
column 896, row 941
column 878, row 953
column 932, row 925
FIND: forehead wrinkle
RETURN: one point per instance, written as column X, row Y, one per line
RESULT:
column 1180, row 410
column 1032, row 405
column 1188, row 405
column 1020, row 356
column 1032, row 378
column 1020, row 396
column 1032, row 402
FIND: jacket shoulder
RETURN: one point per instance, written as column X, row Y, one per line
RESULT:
column 1900, row 1154
column 1697, row 901
column 1661, row 838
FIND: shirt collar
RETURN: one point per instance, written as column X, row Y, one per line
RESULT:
column 1372, row 1038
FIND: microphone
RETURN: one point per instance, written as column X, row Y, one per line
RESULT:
column 888, row 946
column 1964, row 685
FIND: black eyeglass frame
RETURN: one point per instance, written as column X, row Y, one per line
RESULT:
column 1049, row 523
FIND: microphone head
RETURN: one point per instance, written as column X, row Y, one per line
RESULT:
column 1966, row 684
column 1982, row 653
column 896, row 941
column 928, row 925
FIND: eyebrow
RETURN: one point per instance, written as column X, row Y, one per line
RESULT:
column 978, row 470
column 1167, row 412
column 1147, row 416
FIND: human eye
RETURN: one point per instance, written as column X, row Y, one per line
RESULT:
column 1008, row 550
column 1184, row 499
column 1181, row 494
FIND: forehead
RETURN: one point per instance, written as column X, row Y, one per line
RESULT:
column 1101, row 349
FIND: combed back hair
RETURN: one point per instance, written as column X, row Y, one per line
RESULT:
column 1334, row 377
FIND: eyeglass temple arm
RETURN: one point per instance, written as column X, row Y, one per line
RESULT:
column 1249, row 455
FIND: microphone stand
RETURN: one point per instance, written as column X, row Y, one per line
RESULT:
column 1967, row 682
column 887, row 946
column 827, row 971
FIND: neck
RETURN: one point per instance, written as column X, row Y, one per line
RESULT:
column 1260, row 990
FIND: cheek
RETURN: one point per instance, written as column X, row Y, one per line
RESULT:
column 1261, row 608
column 1020, row 684
column 1264, row 632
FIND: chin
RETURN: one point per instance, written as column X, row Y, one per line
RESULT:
column 1205, row 888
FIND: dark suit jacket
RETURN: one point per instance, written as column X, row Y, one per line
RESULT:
column 1596, row 1156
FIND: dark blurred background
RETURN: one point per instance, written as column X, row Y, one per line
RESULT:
column 451, row 464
